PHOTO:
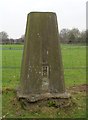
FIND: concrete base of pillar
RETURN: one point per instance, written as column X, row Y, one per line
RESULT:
column 43, row 96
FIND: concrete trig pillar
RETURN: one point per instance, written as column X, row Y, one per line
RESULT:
column 42, row 69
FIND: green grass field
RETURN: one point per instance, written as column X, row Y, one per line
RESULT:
column 73, row 57
column 74, row 62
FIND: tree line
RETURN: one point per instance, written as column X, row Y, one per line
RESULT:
column 67, row 36
column 72, row 36
column 4, row 39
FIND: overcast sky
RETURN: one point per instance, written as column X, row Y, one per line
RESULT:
column 13, row 14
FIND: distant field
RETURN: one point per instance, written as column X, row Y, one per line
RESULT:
column 74, row 61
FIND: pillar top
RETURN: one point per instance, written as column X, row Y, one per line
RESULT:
column 37, row 12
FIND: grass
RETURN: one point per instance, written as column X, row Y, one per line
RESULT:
column 74, row 61
column 73, row 57
column 13, row 109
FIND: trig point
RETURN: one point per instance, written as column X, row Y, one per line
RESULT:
column 42, row 70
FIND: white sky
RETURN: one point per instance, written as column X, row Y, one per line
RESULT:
column 13, row 14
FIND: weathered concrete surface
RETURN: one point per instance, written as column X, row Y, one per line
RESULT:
column 42, row 69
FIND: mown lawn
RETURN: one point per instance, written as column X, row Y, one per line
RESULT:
column 74, row 62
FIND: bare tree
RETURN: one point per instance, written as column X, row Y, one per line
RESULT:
column 64, row 35
column 72, row 36
column 4, row 37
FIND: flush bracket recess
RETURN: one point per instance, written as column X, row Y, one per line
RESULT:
column 45, row 70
